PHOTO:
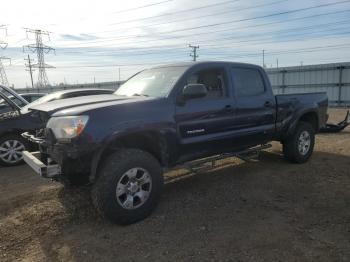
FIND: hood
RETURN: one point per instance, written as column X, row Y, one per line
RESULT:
column 79, row 104
column 57, row 105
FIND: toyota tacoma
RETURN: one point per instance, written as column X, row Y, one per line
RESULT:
column 166, row 117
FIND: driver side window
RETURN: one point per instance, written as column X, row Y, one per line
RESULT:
column 214, row 81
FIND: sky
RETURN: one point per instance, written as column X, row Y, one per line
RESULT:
column 111, row 40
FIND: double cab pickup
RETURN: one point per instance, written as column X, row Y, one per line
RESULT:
column 163, row 117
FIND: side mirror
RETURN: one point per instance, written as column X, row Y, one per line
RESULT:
column 192, row 91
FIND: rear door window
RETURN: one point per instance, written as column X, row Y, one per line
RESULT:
column 247, row 82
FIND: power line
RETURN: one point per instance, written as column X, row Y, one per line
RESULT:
column 40, row 49
column 288, row 51
column 290, row 32
column 297, row 51
column 196, row 17
column 141, row 7
column 176, row 12
column 227, row 11
column 217, row 31
column 251, row 38
column 228, row 22
column 259, row 17
column 251, row 55
column 302, row 50
column 156, row 50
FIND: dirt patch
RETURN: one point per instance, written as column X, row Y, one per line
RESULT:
column 270, row 210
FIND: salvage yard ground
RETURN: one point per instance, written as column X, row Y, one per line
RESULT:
column 268, row 210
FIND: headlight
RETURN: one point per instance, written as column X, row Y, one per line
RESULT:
column 67, row 127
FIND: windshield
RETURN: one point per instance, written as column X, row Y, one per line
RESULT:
column 156, row 82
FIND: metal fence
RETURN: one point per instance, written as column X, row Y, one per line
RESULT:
column 331, row 78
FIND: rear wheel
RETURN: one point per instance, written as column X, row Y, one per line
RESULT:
column 128, row 186
column 298, row 147
column 11, row 148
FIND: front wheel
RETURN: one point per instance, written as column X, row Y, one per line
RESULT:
column 298, row 147
column 128, row 186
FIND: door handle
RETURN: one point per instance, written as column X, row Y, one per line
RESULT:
column 268, row 104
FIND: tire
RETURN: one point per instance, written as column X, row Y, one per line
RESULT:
column 11, row 147
column 74, row 180
column 117, row 192
column 299, row 146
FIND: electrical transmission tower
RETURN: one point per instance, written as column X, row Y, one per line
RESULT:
column 3, row 45
column 40, row 49
column 194, row 51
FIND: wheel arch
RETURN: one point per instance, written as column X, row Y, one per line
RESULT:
column 149, row 141
column 310, row 116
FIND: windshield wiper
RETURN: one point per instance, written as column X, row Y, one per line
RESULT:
column 136, row 94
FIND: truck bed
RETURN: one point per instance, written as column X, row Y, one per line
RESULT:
column 290, row 106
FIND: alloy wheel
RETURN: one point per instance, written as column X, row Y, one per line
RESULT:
column 11, row 151
column 134, row 188
column 304, row 143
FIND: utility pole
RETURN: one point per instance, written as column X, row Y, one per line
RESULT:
column 29, row 65
column 40, row 49
column 263, row 51
column 119, row 73
column 3, row 77
column 277, row 62
column 194, row 51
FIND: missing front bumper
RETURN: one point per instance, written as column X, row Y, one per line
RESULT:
column 51, row 170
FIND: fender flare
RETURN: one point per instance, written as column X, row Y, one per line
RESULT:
column 108, row 142
column 294, row 122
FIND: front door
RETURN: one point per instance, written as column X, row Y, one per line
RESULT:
column 203, row 123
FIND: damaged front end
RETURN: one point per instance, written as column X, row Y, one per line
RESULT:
column 39, row 160
column 66, row 162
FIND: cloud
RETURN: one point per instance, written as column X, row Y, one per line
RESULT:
column 80, row 37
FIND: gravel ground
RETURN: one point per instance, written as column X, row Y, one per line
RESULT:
column 269, row 210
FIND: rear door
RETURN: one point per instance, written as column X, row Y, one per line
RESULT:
column 255, row 105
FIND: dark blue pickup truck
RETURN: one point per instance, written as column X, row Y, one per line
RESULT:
column 165, row 117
